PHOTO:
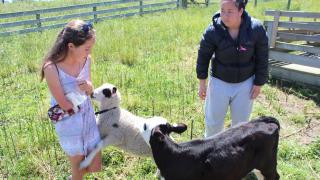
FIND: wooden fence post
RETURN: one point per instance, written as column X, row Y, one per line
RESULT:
column 290, row 20
column 184, row 3
column 289, row 3
column 141, row 8
column 95, row 16
column 274, row 29
column 38, row 21
column 207, row 3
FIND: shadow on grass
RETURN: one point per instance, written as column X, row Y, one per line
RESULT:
column 304, row 91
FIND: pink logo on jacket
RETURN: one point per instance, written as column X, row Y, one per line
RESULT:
column 241, row 48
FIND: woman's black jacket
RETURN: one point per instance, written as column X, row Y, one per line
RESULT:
column 234, row 61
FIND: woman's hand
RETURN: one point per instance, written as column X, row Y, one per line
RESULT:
column 202, row 89
column 85, row 86
column 255, row 91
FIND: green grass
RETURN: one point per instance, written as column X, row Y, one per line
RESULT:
column 151, row 59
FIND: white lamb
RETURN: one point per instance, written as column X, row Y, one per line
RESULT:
column 117, row 126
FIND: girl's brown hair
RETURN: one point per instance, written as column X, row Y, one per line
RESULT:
column 76, row 32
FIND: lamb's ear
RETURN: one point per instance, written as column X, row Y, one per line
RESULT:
column 178, row 128
column 114, row 90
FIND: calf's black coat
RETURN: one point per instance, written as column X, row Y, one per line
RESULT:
column 230, row 155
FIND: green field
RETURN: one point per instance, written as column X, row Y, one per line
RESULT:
column 151, row 59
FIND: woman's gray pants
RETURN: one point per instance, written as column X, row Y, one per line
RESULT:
column 220, row 96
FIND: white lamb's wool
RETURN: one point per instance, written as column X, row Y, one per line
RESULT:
column 119, row 127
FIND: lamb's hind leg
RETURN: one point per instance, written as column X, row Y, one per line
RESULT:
column 108, row 140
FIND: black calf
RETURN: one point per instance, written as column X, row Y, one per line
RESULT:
column 230, row 155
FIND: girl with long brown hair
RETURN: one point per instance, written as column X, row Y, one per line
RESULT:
column 66, row 69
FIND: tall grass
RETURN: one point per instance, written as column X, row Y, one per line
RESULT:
column 151, row 59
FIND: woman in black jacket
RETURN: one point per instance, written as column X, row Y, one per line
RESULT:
column 237, row 46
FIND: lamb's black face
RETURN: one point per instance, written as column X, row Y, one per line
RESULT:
column 107, row 95
column 108, row 92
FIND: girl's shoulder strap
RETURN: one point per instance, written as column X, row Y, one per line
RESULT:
column 89, row 59
column 46, row 64
column 87, row 62
column 57, row 68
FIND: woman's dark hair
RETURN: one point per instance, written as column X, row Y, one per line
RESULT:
column 76, row 32
column 241, row 4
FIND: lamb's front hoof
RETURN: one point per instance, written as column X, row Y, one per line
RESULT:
column 84, row 164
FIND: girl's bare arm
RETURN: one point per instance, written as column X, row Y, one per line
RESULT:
column 52, row 78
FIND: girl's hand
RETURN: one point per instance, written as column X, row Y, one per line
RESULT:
column 66, row 106
column 202, row 89
column 85, row 86
column 255, row 91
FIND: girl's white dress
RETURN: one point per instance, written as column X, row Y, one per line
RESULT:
column 78, row 134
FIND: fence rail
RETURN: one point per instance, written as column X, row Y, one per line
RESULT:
column 295, row 46
column 93, row 14
column 295, row 14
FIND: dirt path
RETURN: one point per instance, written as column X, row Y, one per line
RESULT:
column 299, row 116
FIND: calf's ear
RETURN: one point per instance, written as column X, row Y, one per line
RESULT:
column 178, row 128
